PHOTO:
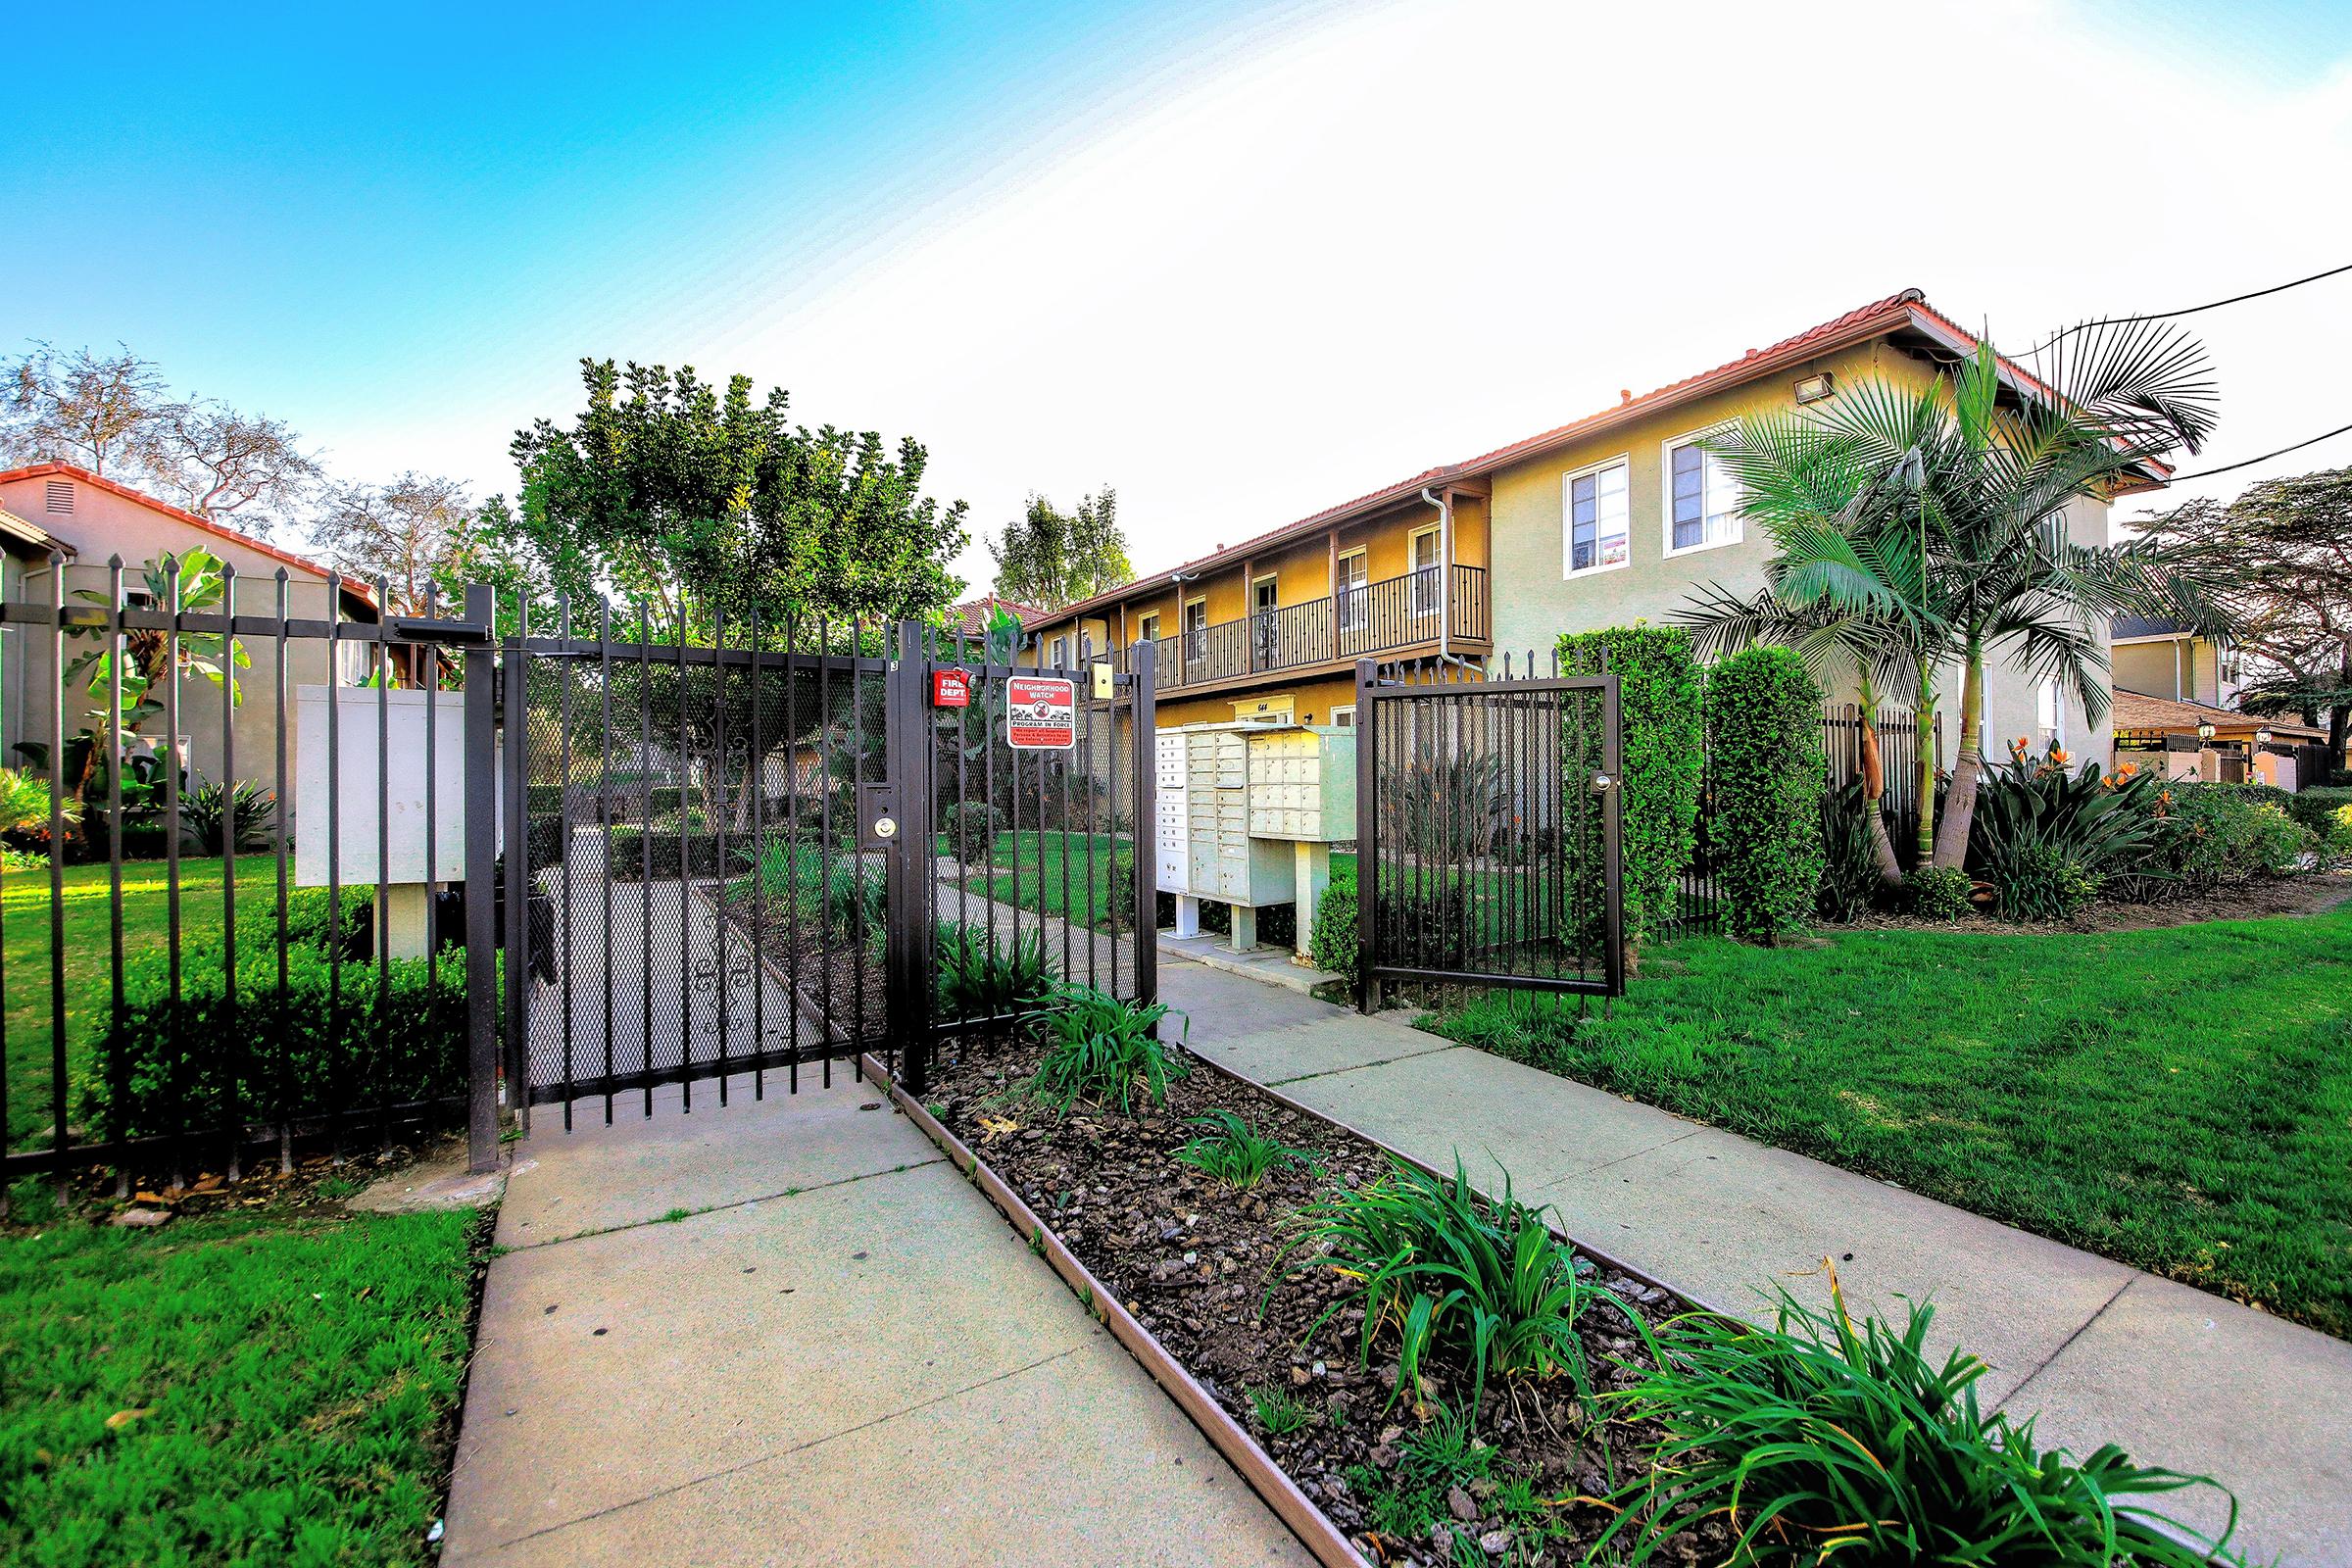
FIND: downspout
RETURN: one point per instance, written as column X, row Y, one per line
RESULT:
column 1444, row 504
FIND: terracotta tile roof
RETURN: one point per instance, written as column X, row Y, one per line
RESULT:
column 351, row 586
column 1908, row 309
column 2138, row 710
column 30, row 534
column 971, row 617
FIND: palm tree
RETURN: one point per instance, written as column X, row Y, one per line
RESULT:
column 1976, row 469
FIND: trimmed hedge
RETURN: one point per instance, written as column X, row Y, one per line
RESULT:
column 629, row 852
column 2317, row 808
column 1764, row 812
column 300, row 1053
column 1662, row 729
column 1337, row 944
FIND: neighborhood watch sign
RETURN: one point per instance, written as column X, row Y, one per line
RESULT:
column 1041, row 713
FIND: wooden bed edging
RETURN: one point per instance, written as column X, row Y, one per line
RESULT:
column 1317, row 1534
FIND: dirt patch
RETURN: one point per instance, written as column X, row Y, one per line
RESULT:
column 1212, row 1273
column 2316, row 893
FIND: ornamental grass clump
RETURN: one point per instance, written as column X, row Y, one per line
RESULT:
column 1100, row 1052
column 983, row 976
column 1820, row 1439
column 1468, row 1286
column 1236, row 1152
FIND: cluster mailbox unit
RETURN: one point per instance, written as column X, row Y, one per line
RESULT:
column 1248, row 814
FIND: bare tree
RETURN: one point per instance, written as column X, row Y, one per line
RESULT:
column 76, row 407
column 408, row 532
column 227, row 467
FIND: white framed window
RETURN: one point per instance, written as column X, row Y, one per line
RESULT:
column 1343, row 717
column 2050, row 714
column 1701, row 498
column 1422, row 551
column 1061, row 652
column 1151, row 628
column 1195, row 629
column 1597, row 512
column 1351, row 590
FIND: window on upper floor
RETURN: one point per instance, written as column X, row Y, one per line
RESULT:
column 1151, row 628
column 1061, row 652
column 1703, row 499
column 1599, row 517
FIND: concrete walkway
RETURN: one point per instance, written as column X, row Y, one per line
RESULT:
column 838, row 1353
column 2105, row 1352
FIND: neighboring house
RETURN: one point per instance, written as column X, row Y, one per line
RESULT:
column 90, row 519
column 2200, row 740
column 2162, row 658
column 1612, row 518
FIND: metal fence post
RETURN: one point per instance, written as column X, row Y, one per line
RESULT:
column 1367, row 830
column 482, row 882
column 1145, row 830
column 906, row 760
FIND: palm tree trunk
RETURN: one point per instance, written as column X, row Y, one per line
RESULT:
column 1960, row 808
column 1923, row 751
column 1873, row 790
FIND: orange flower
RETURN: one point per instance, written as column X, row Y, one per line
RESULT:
column 2126, row 770
column 2058, row 754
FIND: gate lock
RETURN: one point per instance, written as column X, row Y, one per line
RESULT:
column 1602, row 783
column 877, row 815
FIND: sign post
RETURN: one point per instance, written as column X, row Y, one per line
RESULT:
column 1041, row 713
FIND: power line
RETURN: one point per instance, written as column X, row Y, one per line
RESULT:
column 2207, row 473
column 2192, row 310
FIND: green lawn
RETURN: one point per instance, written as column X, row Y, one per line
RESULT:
column 234, row 1390
column 1040, row 886
column 24, row 907
column 2179, row 1100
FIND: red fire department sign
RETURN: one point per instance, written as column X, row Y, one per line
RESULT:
column 1043, row 715
column 951, row 688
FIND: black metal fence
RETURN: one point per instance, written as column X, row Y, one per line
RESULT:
column 1488, row 823
column 1699, row 906
column 585, row 864
column 263, row 984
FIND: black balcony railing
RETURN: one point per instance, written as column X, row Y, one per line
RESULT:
column 1375, row 618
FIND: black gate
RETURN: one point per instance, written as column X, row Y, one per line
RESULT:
column 799, row 846
column 1488, row 820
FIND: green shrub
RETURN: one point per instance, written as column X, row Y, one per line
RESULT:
column 2319, row 807
column 1470, row 1287
column 1337, row 941
column 1101, row 1051
column 1763, row 715
column 1940, row 891
column 2335, row 841
column 1849, row 869
column 2046, row 840
column 631, row 849
column 24, row 804
column 210, row 813
column 1235, row 1153
column 1849, row 1438
column 306, row 918
column 970, row 829
column 981, row 977
column 837, row 886
column 302, row 1051
column 2040, row 882
column 1660, row 725
column 2214, row 835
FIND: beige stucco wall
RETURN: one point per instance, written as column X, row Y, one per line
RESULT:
column 103, row 524
column 1535, row 598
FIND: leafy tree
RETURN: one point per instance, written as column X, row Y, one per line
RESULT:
column 697, row 502
column 1049, row 557
column 2290, row 590
column 1980, row 476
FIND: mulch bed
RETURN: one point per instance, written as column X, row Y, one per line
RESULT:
column 2314, row 894
column 1203, row 1267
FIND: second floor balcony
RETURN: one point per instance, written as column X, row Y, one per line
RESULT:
column 1394, row 616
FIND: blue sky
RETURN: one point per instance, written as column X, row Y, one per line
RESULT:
column 1241, row 262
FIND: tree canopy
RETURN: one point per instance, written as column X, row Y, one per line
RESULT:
column 2289, row 589
column 1049, row 557
column 691, row 501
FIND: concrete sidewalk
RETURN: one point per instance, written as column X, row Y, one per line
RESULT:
column 2105, row 1352
column 837, row 1353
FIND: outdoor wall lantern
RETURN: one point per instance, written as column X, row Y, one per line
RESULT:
column 2262, row 737
column 2204, row 732
column 1813, row 388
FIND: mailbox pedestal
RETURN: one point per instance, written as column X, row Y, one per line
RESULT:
column 363, row 794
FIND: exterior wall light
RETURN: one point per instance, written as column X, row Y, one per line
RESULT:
column 1813, row 388
column 2262, row 737
column 2204, row 732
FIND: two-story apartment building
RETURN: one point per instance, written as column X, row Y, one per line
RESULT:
column 1614, row 517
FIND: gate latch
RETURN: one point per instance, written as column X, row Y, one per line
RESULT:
column 877, row 815
column 1602, row 783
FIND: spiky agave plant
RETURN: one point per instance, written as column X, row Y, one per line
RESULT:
column 1820, row 1440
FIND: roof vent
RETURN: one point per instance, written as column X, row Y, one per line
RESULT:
column 60, row 496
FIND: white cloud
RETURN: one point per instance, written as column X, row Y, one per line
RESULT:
column 1395, row 236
